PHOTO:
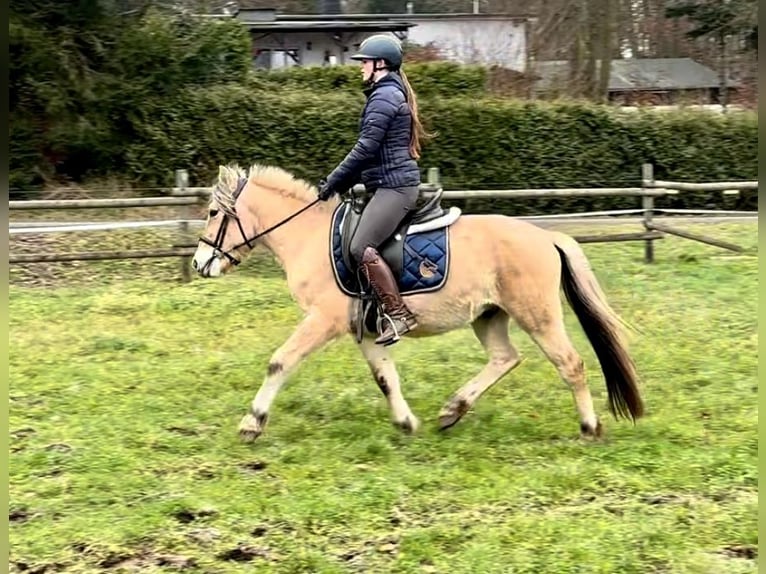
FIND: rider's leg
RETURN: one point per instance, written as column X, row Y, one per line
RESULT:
column 380, row 219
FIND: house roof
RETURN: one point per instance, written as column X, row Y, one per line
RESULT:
column 272, row 21
column 268, row 19
column 413, row 16
column 330, row 25
column 637, row 74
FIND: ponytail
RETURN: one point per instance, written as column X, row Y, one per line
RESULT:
column 418, row 132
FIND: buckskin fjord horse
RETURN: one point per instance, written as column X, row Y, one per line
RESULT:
column 454, row 269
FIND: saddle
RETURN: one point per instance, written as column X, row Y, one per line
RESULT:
column 428, row 208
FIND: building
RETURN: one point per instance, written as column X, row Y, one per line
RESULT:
column 641, row 80
column 310, row 40
column 488, row 39
column 281, row 40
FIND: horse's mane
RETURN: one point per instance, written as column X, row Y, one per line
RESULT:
column 268, row 176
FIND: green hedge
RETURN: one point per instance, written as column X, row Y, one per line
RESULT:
column 481, row 144
column 430, row 79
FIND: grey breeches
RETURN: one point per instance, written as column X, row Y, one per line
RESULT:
column 382, row 216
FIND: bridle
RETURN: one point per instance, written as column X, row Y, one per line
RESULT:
column 217, row 244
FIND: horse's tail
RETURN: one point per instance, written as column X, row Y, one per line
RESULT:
column 602, row 327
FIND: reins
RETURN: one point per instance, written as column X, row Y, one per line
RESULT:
column 273, row 227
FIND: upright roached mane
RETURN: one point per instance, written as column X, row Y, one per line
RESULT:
column 264, row 176
column 222, row 196
column 501, row 268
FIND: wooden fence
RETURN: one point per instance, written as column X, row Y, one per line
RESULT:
column 183, row 195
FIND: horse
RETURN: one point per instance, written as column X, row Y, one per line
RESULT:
column 483, row 270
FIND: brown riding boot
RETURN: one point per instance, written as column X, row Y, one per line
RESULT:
column 383, row 282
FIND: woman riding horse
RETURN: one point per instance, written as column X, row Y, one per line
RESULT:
column 384, row 158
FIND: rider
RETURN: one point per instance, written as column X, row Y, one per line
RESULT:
column 384, row 159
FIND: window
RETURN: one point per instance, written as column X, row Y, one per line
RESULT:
column 269, row 59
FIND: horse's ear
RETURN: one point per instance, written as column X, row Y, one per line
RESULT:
column 221, row 172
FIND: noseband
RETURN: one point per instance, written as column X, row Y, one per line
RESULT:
column 217, row 244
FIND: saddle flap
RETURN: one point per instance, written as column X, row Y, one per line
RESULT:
column 348, row 225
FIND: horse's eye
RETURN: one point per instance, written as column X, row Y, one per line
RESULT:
column 213, row 212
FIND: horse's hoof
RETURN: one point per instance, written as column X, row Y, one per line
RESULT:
column 251, row 427
column 248, row 436
column 588, row 432
column 452, row 413
column 448, row 419
column 409, row 425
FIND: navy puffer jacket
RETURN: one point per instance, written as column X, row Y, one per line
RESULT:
column 381, row 156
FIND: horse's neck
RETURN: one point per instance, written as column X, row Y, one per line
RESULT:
column 298, row 239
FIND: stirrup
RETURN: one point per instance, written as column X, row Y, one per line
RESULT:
column 381, row 330
column 396, row 335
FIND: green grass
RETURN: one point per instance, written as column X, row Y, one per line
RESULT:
column 125, row 397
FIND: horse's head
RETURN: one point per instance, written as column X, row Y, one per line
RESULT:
column 226, row 239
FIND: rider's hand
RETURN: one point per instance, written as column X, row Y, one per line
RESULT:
column 325, row 191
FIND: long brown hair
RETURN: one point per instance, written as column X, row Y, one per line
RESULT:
column 418, row 131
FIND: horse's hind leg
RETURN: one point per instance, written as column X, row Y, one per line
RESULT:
column 491, row 329
column 552, row 338
column 384, row 371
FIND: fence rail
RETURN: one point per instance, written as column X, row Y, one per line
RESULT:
column 182, row 195
column 563, row 192
column 46, row 227
column 716, row 186
column 102, row 203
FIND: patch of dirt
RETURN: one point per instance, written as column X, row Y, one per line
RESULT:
column 205, row 473
column 19, row 515
column 117, row 559
column 144, row 560
column 136, row 561
column 182, row 430
column 185, row 516
column 175, row 561
column 254, row 466
column 350, row 555
column 354, row 555
column 746, row 551
column 656, row 499
column 244, row 553
column 20, row 566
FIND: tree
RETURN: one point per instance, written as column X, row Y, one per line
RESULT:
column 720, row 21
column 84, row 72
column 717, row 18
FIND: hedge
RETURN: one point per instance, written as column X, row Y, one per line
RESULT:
column 430, row 79
column 481, row 143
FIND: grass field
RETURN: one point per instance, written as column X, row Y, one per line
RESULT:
column 125, row 397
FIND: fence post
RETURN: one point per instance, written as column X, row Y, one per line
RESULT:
column 433, row 177
column 647, row 177
column 182, row 182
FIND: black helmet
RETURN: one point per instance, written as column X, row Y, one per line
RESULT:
column 381, row 47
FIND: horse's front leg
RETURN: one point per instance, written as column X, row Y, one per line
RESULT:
column 312, row 333
column 384, row 370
